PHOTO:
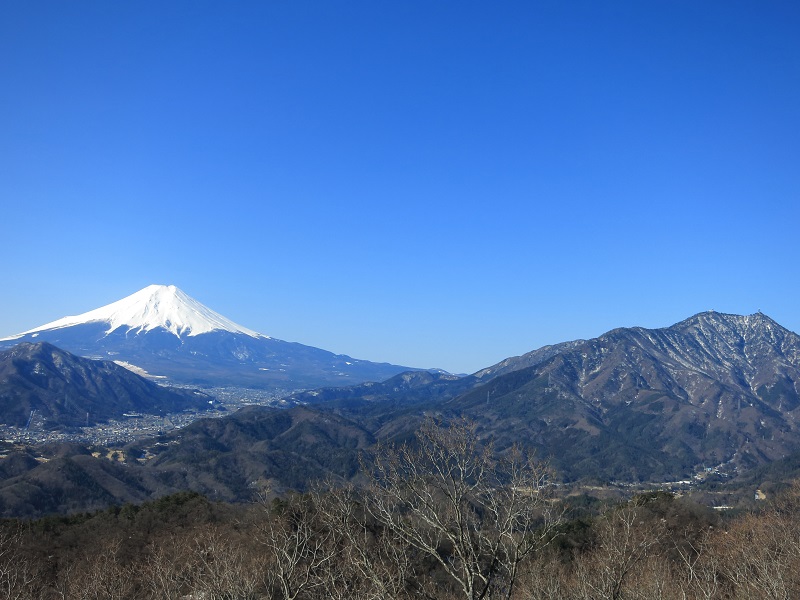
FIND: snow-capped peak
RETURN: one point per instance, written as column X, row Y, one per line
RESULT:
column 156, row 306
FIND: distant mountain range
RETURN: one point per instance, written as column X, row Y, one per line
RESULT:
column 715, row 392
column 162, row 332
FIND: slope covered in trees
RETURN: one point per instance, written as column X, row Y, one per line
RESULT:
column 439, row 518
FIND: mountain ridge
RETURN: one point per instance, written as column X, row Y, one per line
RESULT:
column 713, row 395
column 712, row 389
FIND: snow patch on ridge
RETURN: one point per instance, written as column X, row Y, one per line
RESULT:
column 156, row 306
column 138, row 370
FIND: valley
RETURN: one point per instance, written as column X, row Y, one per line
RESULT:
column 135, row 426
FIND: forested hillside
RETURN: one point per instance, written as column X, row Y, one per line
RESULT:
column 440, row 518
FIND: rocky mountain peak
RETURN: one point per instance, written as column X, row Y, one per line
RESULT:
column 742, row 325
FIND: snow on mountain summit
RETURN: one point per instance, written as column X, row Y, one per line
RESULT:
column 156, row 306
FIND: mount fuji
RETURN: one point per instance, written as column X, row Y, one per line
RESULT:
column 164, row 333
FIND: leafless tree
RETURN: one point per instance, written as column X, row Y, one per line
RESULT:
column 16, row 575
column 476, row 515
column 759, row 558
column 545, row 578
column 624, row 541
column 100, row 575
column 299, row 551
column 654, row 578
column 373, row 563
column 169, row 567
column 223, row 567
column 699, row 568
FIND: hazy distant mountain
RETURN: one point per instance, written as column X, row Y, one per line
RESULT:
column 414, row 387
column 64, row 389
column 408, row 387
column 168, row 334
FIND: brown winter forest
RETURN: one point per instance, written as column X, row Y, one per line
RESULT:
column 442, row 518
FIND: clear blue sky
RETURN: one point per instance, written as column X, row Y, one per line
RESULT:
column 435, row 184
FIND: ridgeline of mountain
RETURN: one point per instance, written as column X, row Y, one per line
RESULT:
column 529, row 359
column 63, row 389
column 163, row 332
column 633, row 404
column 415, row 387
column 716, row 390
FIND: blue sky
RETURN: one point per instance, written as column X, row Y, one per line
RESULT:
column 435, row 184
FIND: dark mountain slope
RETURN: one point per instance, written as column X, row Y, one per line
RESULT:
column 234, row 457
column 710, row 390
column 76, row 482
column 63, row 388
